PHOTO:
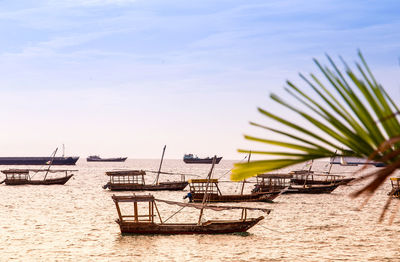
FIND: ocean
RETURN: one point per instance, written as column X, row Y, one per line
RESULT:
column 76, row 222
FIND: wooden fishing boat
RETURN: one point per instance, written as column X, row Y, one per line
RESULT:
column 395, row 192
column 25, row 177
column 133, row 180
column 138, row 223
column 306, row 177
column 198, row 189
column 273, row 182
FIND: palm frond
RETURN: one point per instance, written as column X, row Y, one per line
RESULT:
column 348, row 107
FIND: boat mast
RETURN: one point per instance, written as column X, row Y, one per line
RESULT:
column 51, row 162
column 244, row 180
column 159, row 169
column 206, row 192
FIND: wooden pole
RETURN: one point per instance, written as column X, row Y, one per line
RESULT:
column 159, row 169
column 244, row 180
column 206, row 192
column 51, row 162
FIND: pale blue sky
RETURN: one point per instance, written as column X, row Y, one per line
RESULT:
column 123, row 78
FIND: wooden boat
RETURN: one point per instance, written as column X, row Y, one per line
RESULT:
column 96, row 158
column 395, row 192
column 24, row 177
column 306, row 177
column 137, row 223
column 133, row 180
column 198, row 189
column 274, row 182
column 193, row 159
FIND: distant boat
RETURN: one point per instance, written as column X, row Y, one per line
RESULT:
column 96, row 158
column 354, row 161
column 70, row 160
column 193, row 159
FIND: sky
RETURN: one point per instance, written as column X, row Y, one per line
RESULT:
column 126, row 77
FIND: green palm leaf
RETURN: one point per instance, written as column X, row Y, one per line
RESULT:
column 352, row 113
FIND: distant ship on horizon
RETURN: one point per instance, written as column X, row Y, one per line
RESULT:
column 193, row 159
column 96, row 158
column 46, row 160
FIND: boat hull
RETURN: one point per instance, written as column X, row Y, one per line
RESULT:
column 119, row 159
column 316, row 189
column 202, row 160
column 172, row 186
column 209, row 227
column 343, row 181
column 296, row 189
column 51, row 181
column 38, row 160
column 255, row 197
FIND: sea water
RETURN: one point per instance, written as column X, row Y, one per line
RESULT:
column 76, row 222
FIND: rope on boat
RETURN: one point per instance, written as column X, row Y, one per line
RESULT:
column 232, row 168
column 2, row 181
column 173, row 214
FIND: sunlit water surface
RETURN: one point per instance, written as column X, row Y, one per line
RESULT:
column 75, row 222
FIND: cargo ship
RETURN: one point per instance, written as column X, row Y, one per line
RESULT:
column 193, row 159
column 96, row 158
column 46, row 160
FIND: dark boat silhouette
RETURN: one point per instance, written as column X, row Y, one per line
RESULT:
column 96, row 158
column 193, row 159
column 68, row 160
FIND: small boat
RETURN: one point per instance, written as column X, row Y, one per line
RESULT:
column 395, row 192
column 25, row 177
column 96, row 158
column 137, row 223
column 274, row 182
column 198, row 188
column 306, row 177
column 133, row 180
column 193, row 159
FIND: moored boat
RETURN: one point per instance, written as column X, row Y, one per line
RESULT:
column 25, row 177
column 96, row 158
column 273, row 182
column 198, row 189
column 395, row 192
column 137, row 223
column 306, row 177
column 133, row 180
column 193, row 159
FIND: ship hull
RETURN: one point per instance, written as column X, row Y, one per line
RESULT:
column 38, row 160
column 209, row 227
column 51, row 181
column 202, row 160
column 171, row 186
column 254, row 197
column 118, row 159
